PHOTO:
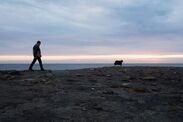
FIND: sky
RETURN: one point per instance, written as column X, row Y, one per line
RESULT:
column 72, row 31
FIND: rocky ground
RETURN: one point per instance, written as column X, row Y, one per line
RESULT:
column 129, row 94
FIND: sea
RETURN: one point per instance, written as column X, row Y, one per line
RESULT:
column 79, row 66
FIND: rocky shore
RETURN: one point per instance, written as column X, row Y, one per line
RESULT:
column 129, row 94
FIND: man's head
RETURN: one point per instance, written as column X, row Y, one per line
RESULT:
column 39, row 42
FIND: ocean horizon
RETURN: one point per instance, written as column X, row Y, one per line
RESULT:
column 54, row 66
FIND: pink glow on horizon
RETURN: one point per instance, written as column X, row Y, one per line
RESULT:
column 153, row 58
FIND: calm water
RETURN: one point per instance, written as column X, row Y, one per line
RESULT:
column 75, row 66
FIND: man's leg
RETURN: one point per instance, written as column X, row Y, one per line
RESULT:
column 33, row 62
column 40, row 63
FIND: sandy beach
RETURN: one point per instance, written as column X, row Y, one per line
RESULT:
column 129, row 94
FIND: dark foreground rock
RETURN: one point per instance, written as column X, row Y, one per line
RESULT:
column 129, row 94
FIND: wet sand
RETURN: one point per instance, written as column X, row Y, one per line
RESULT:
column 129, row 94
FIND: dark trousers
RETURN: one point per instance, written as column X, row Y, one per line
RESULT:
column 34, row 61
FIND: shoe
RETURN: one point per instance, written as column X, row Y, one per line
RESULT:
column 31, row 70
column 43, row 70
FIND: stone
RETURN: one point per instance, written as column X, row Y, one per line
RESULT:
column 108, row 75
column 108, row 92
column 3, row 77
column 14, row 73
column 140, row 90
column 154, row 84
column 29, row 79
column 79, row 75
column 131, row 78
column 49, row 75
column 156, row 89
column 125, row 84
column 7, row 77
column 43, row 80
column 92, row 88
column 84, row 109
column 150, row 78
column 92, row 69
column 11, row 77
column 140, row 101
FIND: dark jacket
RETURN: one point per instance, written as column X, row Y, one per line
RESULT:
column 36, row 50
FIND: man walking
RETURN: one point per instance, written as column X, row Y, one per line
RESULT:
column 37, row 56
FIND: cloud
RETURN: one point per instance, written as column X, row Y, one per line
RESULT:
column 84, row 26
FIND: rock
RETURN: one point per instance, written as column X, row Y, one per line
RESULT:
column 154, row 84
column 3, row 77
column 49, row 74
column 115, row 86
column 173, row 108
column 131, row 78
column 156, row 89
column 7, row 77
column 108, row 75
column 108, row 92
column 79, row 75
column 92, row 69
column 92, row 88
column 49, row 82
column 140, row 101
column 98, row 108
column 29, row 79
column 150, row 78
column 84, row 109
column 11, row 77
column 141, row 90
column 14, row 73
column 43, row 80
column 125, row 84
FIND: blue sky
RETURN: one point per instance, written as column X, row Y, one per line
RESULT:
column 91, row 27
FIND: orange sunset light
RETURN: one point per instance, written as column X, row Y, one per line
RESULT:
column 89, row 57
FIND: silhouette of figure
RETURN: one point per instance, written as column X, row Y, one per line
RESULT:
column 37, row 56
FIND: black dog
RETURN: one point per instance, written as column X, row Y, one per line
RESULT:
column 118, row 62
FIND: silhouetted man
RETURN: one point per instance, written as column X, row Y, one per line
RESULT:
column 37, row 56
